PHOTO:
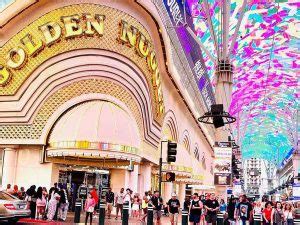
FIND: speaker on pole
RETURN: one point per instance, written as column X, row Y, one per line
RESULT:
column 217, row 111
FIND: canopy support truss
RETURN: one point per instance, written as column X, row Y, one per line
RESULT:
column 211, row 28
column 237, row 28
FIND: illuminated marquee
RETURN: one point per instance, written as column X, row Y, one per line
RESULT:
column 79, row 26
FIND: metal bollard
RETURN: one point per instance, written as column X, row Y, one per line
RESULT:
column 125, row 213
column 220, row 219
column 296, row 221
column 185, row 217
column 78, row 206
column 257, row 218
column 102, row 212
column 150, row 215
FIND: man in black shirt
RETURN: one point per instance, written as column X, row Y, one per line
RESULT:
column 195, row 210
column 212, row 206
column 157, row 203
column 110, row 196
column 244, row 210
column 173, row 206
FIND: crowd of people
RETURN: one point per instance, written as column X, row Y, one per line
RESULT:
column 201, row 209
column 204, row 210
column 52, row 205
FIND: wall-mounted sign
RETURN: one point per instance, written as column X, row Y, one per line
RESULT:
column 296, row 191
column 79, row 26
column 222, row 166
column 193, row 53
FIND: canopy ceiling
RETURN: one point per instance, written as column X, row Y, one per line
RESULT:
column 265, row 53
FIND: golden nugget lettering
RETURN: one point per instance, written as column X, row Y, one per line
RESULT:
column 132, row 37
column 76, row 26
column 30, row 45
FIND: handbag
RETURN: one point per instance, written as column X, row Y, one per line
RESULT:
column 91, row 209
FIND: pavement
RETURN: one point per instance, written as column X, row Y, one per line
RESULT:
column 70, row 219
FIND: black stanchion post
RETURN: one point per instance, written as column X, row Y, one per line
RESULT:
column 150, row 215
column 184, row 217
column 257, row 219
column 78, row 206
column 296, row 221
column 102, row 213
column 220, row 219
column 125, row 213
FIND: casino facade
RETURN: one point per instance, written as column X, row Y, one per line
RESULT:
column 88, row 89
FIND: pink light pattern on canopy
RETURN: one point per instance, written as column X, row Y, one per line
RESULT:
column 266, row 59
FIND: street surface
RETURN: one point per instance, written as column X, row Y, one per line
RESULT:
column 112, row 221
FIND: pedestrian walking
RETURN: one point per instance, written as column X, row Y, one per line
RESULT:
column 211, row 206
column 145, row 201
column 277, row 216
column 244, row 211
column 95, row 196
column 89, row 208
column 230, row 211
column 195, row 210
column 110, row 196
column 267, row 213
column 52, row 206
column 136, row 206
column 157, row 203
column 63, row 204
column 173, row 209
column 288, row 214
column 31, row 200
column 127, row 199
column 40, row 203
column 119, row 203
column 52, row 191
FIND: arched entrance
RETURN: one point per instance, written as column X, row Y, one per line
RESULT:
column 95, row 143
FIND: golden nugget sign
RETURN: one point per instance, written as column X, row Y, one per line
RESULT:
column 78, row 26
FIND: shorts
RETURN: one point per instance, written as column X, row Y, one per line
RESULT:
column 211, row 218
column 195, row 218
column 174, row 217
column 157, row 214
column 109, row 207
column 145, row 210
column 136, row 207
column 40, row 209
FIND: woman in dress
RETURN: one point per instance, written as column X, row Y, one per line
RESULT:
column 52, row 206
column 136, row 206
column 89, row 208
column 277, row 217
column 40, row 203
column 288, row 214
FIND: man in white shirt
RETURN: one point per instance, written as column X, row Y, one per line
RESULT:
column 119, row 202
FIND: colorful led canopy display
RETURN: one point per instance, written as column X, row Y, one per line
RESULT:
column 266, row 57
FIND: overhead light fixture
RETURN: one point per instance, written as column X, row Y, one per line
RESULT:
column 217, row 116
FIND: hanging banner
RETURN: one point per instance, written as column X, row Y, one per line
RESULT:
column 222, row 165
column 192, row 50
